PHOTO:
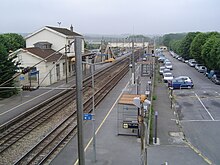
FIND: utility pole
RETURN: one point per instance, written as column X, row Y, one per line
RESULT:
column 79, row 95
column 133, row 64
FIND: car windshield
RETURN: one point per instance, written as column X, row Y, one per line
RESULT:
column 178, row 80
column 166, row 70
column 168, row 75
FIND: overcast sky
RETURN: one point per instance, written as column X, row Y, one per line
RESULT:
column 111, row 16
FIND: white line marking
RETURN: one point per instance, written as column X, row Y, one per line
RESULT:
column 103, row 121
column 182, row 121
column 204, row 107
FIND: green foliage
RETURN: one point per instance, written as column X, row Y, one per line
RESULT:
column 196, row 47
column 215, row 54
column 8, row 67
column 12, row 41
column 167, row 38
column 186, row 43
column 206, row 49
column 175, row 45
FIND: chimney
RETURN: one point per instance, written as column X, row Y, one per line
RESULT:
column 71, row 28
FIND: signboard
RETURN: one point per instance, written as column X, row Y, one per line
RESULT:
column 21, row 78
column 130, row 124
column 87, row 116
column 34, row 73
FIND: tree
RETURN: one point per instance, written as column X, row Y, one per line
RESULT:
column 207, row 50
column 196, row 47
column 186, row 43
column 8, row 67
column 215, row 54
column 167, row 38
column 12, row 41
column 175, row 46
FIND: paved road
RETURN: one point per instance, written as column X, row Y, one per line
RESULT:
column 200, row 111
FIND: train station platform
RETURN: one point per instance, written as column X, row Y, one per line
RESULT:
column 112, row 148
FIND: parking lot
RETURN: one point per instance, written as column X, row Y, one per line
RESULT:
column 199, row 109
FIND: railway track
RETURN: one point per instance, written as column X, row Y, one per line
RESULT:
column 45, row 149
column 62, row 134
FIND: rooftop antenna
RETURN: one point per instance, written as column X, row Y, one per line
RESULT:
column 59, row 23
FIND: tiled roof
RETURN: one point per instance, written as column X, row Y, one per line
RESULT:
column 43, row 53
column 64, row 31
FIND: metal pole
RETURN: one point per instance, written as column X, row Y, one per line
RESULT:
column 133, row 64
column 143, row 153
column 66, row 62
column 155, row 129
column 93, row 111
column 171, row 95
column 79, row 95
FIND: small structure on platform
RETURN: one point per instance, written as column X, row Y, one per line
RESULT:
column 146, row 68
column 128, row 115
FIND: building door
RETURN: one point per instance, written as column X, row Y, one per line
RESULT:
column 58, row 71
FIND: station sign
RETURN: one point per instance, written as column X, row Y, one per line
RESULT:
column 87, row 116
column 130, row 124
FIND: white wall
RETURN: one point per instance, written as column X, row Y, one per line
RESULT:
column 57, row 41
column 43, row 68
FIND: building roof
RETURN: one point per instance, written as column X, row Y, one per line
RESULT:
column 64, row 31
column 43, row 53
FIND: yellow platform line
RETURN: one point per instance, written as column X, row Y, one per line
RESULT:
column 199, row 153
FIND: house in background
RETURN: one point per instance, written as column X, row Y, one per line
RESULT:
column 58, row 37
column 47, row 71
column 41, row 44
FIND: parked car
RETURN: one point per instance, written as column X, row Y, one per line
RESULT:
column 166, row 60
column 169, row 65
column 216, row 78
column 161, row 59
column 185, row 78
column 167, row 77
column 179, row 83
column 180, row 58
column 166, row 71
column 197, row 66
column 212, row 73
column 161, row 69
column 192, row 63
column 202, row 69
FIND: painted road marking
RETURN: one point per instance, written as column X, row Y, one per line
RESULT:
column 103, row 121
column 204, row 107
column 198, row 152
column 182, row 121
